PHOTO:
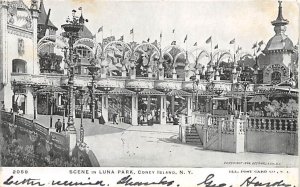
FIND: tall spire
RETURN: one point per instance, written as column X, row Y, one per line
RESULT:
column 280, row 21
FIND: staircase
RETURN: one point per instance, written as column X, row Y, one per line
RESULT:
column 192, row 136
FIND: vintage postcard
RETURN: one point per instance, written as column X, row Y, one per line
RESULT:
column 149, row 93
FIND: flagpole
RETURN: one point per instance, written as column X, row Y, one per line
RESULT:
column 211, row 51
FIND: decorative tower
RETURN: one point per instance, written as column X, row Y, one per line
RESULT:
column 278, row 51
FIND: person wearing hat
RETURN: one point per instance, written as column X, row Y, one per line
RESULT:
column 58, row 126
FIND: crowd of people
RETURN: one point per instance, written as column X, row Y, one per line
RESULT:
column 276, row 109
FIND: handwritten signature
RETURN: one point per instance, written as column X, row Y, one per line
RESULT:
column 250, row 181
column 129, row 181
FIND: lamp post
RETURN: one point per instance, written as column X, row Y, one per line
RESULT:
column 52, row 100
column 64, row 113
column 72, row 28
column 34, row 93
column 195, row 83
column 93, row 69
column 245, row 86
column 14, row 85
column 81, row 92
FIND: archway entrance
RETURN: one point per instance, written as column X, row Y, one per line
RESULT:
column 19, row 66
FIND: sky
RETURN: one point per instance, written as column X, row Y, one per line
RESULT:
column 246, row 21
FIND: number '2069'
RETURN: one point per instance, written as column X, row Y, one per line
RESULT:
column 20, row 171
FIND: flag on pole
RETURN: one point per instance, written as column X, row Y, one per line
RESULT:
column 260, row 43
column 254, row 45
column 238, row 49
column 195, row 44
column 173, row 43
column 217, row 46
column 173, row 31
column 185, row 39
column 232, row 41
column 258, row 49
column 121, row 38
column 148, row 39
column 131, row 31
column 80, row 8
column 160, row 35
column 100, row 29
column 208, row 40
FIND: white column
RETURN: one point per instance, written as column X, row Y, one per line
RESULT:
column 104, row 107
column 134, row 110
column 35, row 15
column 163, row 108
column 132, row 73
column 161, row 73
column 189, row 109
column 29, row 102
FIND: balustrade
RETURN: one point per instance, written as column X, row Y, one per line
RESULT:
column 275, row 124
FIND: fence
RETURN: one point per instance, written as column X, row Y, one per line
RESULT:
column 254, row 134
column 272, row 135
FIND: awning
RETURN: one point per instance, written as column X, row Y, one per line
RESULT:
column 121, row 91
column 151, row 92
column 178, row 93
column 259, row 99
column 99, row 92
column 52, row 89
column 220, row 98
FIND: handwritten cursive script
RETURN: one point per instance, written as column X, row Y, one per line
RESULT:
column 208, row 182
column 128, row 181
column 254, row 182
column 23, row 182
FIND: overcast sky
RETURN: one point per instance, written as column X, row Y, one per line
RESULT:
column 247, row 21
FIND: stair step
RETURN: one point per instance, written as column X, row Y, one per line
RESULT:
column 192, row 135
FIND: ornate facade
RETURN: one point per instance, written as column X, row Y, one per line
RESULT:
column 135, row 67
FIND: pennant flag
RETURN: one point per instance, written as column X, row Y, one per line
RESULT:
column 173, row 31
column 100, row 29
column 238, row 49
column 254, row 45
column 155, row 43
column 258, row 49
column 148, row 39
column 217, row 46
column 195, row 44
column 173, row 43
column 131, row 31
column 121, row 38
column 232, row 41
column 208, row 40
column 185, row 39
column 260, row 43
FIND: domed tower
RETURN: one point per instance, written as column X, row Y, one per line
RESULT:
column 278, row 52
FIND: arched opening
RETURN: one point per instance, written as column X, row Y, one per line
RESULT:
column 19, row 66
column 276, row 77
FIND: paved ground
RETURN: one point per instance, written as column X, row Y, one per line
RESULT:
column 158, row 146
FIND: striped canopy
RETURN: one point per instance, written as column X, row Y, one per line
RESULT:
column 151, row 92
column 52, row 89
column 121, row 91
column 259, row 99
column 178, row 93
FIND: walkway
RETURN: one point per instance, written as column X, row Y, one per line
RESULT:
column 158, row 146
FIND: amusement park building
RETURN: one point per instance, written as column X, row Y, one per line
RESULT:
column 135, row 70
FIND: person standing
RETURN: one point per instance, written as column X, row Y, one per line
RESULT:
column 58, row 126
